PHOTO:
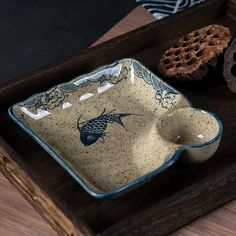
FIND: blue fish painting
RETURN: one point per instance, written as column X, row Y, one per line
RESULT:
column 93, row 130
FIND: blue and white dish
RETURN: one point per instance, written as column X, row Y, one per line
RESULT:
column 116, row 127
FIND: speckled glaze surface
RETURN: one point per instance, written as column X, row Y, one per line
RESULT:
column 117, row 127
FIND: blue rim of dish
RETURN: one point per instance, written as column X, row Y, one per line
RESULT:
column 171, row 160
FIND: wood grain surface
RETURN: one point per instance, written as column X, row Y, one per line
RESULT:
column 17, row 217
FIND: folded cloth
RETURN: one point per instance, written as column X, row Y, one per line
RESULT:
column 162, row 8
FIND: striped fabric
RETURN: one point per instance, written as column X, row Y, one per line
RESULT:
column 162, row 8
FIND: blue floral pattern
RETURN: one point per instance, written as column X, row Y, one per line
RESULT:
column 56, row 96
column 46, row 101
column 164, row 94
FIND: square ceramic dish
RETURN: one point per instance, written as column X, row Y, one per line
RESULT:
column 117, row 127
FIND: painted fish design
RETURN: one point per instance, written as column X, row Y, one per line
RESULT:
column 94, row 129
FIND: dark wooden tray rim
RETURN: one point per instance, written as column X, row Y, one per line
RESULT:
column 170, row 200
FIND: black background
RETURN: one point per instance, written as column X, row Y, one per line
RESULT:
column 37, row 33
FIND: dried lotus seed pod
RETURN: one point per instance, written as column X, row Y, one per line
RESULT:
column 230, row 66
column 192, row 57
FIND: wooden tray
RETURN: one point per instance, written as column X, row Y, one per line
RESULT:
column 171, row 199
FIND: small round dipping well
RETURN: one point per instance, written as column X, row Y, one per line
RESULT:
column 197, row 131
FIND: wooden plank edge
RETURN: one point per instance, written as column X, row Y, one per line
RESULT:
column 25, row 183
column 170, row 214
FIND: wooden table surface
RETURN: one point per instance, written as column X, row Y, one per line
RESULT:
column 18, row 218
